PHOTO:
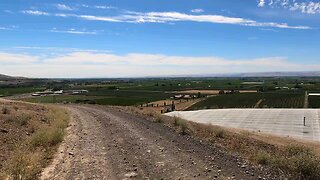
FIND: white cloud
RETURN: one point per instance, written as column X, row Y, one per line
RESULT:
column 8, row 28
column 104, row 7
column 197, row 10
column 60, row 50
column 307, row 7
column 74, row 31
column 7, row 58
column 64, row 7
column 168, row 17
column 36, row 12
column 90, row 64
column 261, row 3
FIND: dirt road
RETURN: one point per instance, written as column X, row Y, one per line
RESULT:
column 106, row 143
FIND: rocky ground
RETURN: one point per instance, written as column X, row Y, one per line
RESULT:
column 106, row 143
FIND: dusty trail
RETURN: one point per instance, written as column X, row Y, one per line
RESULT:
column 106, row 143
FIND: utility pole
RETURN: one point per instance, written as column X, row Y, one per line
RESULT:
column 304, row 121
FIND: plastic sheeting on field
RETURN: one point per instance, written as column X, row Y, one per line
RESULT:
column 283, row 122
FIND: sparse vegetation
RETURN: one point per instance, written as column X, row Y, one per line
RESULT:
column 159, row 119
column 183, row 127
column 263, row 158
column 5, row 110
column 33, row 152
column 176, row 121
column 218, row 132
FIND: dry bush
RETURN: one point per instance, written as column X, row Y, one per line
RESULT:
column 176, row 121
column 159, row 119
column 219, row 132
column 301, row 161
column 46, row 138
column 5, row 110
column 183, row 127
column 25, row 165
column 263, row 158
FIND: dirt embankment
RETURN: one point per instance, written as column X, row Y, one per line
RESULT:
column 29, row 134
column 106, row 143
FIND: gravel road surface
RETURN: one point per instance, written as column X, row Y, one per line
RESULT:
column 108, row 143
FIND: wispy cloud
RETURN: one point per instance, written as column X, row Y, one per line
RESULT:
column 197, row 10
column 105, row 7
column 4, row 28
column 307, row 7
column 98, row 6
column 169, row 17
column 64, row 7
column 90, row 64
column 74, row 31
column 59, row 49
column 8, row 11
column 36, row 13
column 8, row 27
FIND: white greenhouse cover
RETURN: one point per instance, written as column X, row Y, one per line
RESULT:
column 283, row 122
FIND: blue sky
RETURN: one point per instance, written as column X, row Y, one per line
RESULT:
column 133, row 38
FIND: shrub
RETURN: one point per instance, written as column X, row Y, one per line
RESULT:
column 22, row 120
column 219, row 132
column 299, row 161
column 25, row 165
column 47, row 138
column 159, row 119
column 176, row 121
column 5, row 110
column 296, row 150
column 183, row 127
column 263, row 158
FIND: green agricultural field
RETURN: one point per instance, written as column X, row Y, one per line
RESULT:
column 251, row 100
column 105, row 97
column 282, row 100
column 314, row 101
column 9, row 91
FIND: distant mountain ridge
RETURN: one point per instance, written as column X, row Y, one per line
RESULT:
column 280, row 74
column 260, row 74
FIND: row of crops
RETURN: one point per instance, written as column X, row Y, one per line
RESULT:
column 251, row 100
column 314, row 101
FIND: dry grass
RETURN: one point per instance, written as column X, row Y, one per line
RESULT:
column 5, row 110
column 34, row 151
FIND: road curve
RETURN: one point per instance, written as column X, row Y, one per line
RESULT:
column 106, row 143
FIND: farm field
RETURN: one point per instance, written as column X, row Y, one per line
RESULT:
column 251, row 100
column 9, row 91
column 105, row 97
column 314, row 101
column 274, row 92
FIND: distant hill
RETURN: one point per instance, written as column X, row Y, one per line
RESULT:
column 280, row 74
column 260, row 74
column 6, row 77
